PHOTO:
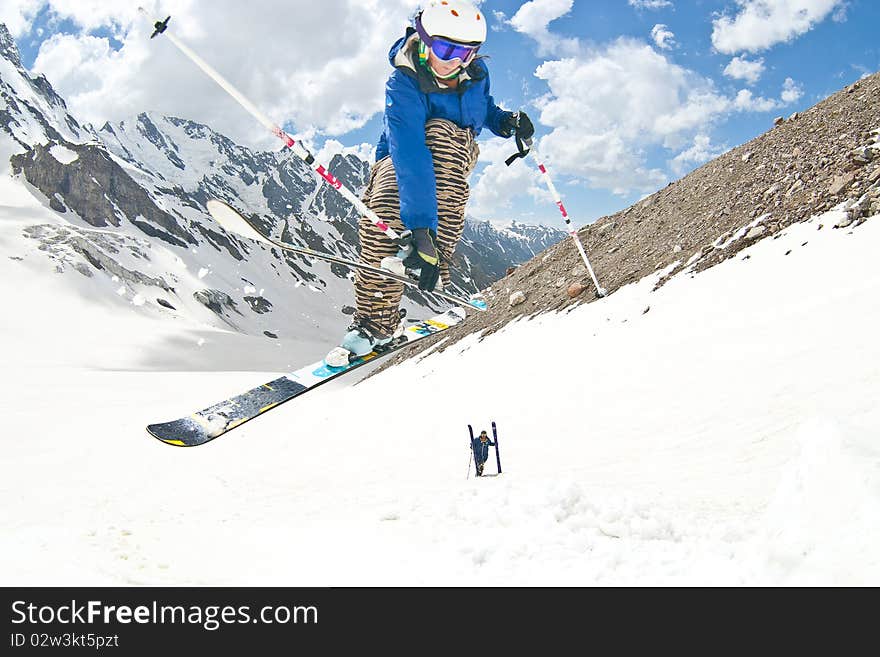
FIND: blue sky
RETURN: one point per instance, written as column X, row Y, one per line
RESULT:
column 626, row 95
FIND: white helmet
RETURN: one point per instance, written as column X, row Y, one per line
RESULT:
column 457, row 20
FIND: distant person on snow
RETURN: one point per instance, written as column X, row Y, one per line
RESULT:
column 481, row 451
column 437, row 101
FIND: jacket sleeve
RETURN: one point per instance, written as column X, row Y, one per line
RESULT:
column 406, row 111
column 494, row 114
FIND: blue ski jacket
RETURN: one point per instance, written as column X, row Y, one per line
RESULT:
column 481, row 450
column 412, row 97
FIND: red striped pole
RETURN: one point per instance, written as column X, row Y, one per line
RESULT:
column 571, row 230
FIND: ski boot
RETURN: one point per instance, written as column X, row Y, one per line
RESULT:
column 364, row 336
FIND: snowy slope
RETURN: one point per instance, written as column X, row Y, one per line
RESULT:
column 726, row 436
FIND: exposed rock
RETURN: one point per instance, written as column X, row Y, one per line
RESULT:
column 216, row 301
column 778, row 120
column 575, row 289
column 607, row 228
column 840, row 183
column 98, row 190
column 98, row 249
column 862, row 155
column 259, row 305
column 770, row 191
column 517, row 298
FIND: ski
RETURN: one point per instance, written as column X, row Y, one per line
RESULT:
column 235, row 222
column 473, row 452
column 206, row 425
column 497, row 449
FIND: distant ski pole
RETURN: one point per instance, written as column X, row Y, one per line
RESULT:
column 497, row 449
column 161, row 27
column 473, row 455
column 525, row 148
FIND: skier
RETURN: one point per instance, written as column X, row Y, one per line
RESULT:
column 481, row 451
column 437, row 101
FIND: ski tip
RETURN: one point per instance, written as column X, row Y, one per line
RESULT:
column 167, row 433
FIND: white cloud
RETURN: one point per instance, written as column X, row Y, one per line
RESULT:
column 650, row 4
column 700, row 151
column 495, row 190
column 333, row 147
column 607, row 107
column 791, row 91
column 663, row 37
column 760, row 24
column 741, row 68
column 532, row 19
column 746, row 101
column 19, row 15
column 285, row 62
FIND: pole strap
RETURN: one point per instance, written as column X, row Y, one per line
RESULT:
column 523, row 148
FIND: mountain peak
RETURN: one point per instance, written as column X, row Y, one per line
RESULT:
column 8, row 47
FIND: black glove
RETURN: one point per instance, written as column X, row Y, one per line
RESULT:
column 524, row 129
column 423, row 255
column 518, row 122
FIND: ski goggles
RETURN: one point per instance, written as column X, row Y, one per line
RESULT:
column 449, row 50
column 445, row 49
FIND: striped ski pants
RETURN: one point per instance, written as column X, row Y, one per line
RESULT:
column 455, row 155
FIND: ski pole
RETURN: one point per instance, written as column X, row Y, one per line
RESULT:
column 160, row 27
column 471, row 449
column 497, row 453
column 525, row 147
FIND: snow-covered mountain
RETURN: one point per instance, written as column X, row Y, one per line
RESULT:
column 129, row 212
